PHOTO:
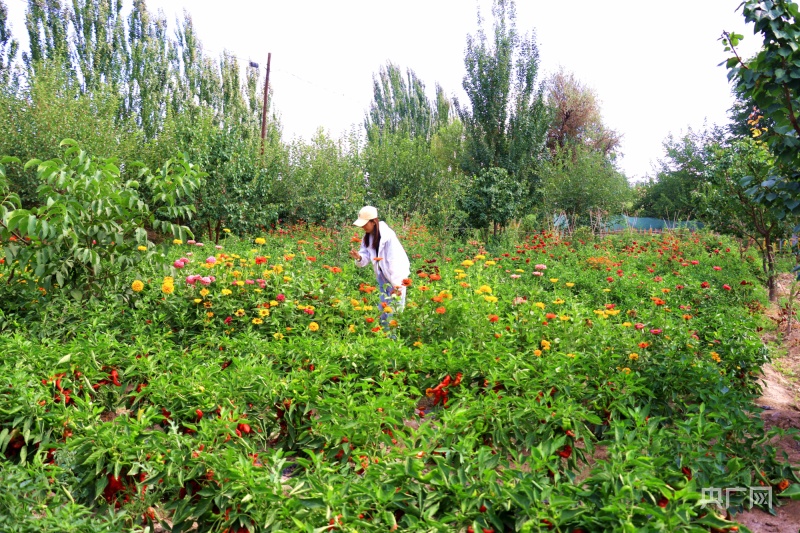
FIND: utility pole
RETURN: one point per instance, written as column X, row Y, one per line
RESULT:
column 266, row 100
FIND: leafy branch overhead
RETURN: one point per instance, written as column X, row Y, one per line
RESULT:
column 771, row 80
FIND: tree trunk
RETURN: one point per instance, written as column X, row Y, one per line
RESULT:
column 769, row 263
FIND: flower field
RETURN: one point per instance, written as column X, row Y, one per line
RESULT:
column 253, row 386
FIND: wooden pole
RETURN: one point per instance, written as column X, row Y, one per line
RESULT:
column 266, row 101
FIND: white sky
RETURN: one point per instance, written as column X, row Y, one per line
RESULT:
column 653, row 64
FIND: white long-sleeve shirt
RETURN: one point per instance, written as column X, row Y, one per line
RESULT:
column 394, row 264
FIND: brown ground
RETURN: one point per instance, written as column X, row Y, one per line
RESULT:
column 781, row 395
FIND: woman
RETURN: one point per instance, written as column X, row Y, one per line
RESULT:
column 381, row 247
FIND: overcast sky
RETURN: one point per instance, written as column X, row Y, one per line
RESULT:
column 653, row 64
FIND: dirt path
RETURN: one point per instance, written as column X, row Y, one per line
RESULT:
column 780, row 401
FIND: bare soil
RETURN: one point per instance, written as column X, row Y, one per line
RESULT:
column 780, row 403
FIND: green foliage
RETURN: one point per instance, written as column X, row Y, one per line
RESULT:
column 91, row 223
column 8, row 49
column 772, row 81
column 493, row 198
column 506, row 122
column 580, row 182
column 679, row 173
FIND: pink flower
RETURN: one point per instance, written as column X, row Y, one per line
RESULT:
column 540, row 267
column 639, row 325
column 655, row 331
column 191, row 241
column 178, row 263
column 726, row 287
column 695, row 262
column 309, row 311
column 280, row 297
column 205, row 280
column 218, row 247
column 679, row 287
column 514, row 276
column 537, row 273
column 249, row 281
column 658, row 278
column 717, row 268
column 192, row 279
column 211, row 260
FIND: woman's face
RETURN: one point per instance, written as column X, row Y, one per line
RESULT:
column 369, row 226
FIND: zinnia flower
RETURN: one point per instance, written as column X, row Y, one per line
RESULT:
column 313, row 326
column 440, row 310
column 137, row 286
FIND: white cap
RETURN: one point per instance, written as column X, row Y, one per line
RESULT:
column 366, row 214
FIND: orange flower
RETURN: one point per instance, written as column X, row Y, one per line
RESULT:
column 440, row 310
column 424, row 288
column 423, row 275
column 644, row 345
column 407, row 282
column 493, row 318
column 435, row 277
column 378, row 259
column 550, row 316
column 438, row 299
column 783, row 484
column 355, row 238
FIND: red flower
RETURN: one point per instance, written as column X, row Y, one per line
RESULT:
column 687, row 472
column 704, row 285
column 440, row 310
column 639, row 325
column 655, row 331
column 493, row 318
column 726, row 287
column 369, row 320
column 663, row 502
column 260, row 260
column 609, row 279
column 566, row 451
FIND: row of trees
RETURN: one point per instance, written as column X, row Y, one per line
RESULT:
column 124, row 87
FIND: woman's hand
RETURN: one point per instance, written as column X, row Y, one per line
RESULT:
column 355, row 255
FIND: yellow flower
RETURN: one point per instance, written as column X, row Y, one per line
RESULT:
column 558, row 301
column 351, row 328
column 239, row 312
column 388, row 310
column 480, row 257
column 626, row 370
column 204, row 292
column 142, row 248
column 537, row 353
column 461, row 276
column 260, row 240
column 519, row 270
column 565, row 318
column 236, row 273
column 571, row 355
column 540, row 305
column 277, row 269
column 210, row 314
column 418, row 344
column 606, row 290
column 257, row 321
column 554, row 280
column 167, row 288
column 489, row 263
column 569, row 284
column 226, row 230
column 458, row 271
column 484, row 289
column 545, row 344
column 226, row 292
column 177, row 241
column 490, row 299
column 626, row 324
column 466, row 263
column 263, row 312
column 137, row 286
column 169, row 279
column 634, row 356
column 273, row 303
column 313, row 326
column 715, row 356
column 278, row 336
column 207, row 304
column 197, row 300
